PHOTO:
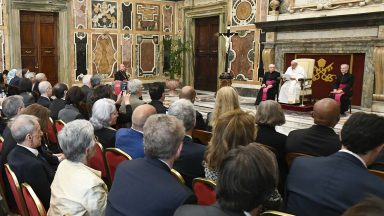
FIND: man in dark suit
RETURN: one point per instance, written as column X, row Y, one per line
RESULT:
column 87, row 87
column 342, row 89
column 320, row 139
column 270, row 85
column 130, row 140
column 248, row 175
column 189, row 164
column 25, row 160
column 189, row 93
column 156, row 91
column 45, row 89
column 145, row 186
column 121, row 74
column 330, row 185
column 59, row 90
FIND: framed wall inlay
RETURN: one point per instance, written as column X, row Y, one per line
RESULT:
column 81, row 62
column 167, row 18
column 80, row 14
column 104, row 14
column 127, row 15
column 126, row 52
column 147, row 55
column 243, row 12
column 104, row 54
column 147, row 17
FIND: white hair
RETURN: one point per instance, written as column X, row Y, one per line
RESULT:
column 183, row 110
column 135, row 86
column 43, row 86
column 23, row 125
column 40, row 77
column 30, row 75
column 87, row 80
column 101, row 113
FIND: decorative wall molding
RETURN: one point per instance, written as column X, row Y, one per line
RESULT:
column 147, row 55
column 104, row 54
column 378, row 60
column 243, row 12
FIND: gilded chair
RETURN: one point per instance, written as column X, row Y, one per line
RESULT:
column 34, row 205
column 203, row 136
column 377, row 173
column 204, row 190
column 97, row 162
column 16, row 191
column 275, row 213
column 113, row 157
column 59, row 124
column 178, row 176
column 306, row 86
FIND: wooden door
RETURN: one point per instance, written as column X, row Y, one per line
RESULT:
column 38, row 37
column 206, row 50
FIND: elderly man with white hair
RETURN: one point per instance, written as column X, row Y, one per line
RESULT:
column 135, row 86
column 77, row 189
column 189, row 164
column 45, row 89
column 290, row 90
column 39, row 78
column 87, row 87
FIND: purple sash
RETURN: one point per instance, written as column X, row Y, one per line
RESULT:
column 338, row 95
column 265, row 89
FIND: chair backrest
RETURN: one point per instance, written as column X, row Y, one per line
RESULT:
column 178, row 176
column 377, row 173
column 275, row 213
column 203, row 136
column 59, row 124
column 34, row 205
column 308, row 65
column 204, row 190
column 51, row 132
column 1, row 143
column 15, row 188
column 97, row 162
column 293, row 155
column 113, row 157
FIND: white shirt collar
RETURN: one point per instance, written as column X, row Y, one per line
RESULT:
column 136, row 130
column 355, row 155
column 34, row 151
column 188, row 136
column 165, row 164
column 246, row 213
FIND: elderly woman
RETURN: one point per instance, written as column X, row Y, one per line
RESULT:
column 232, row 129
column 227, row 99
column 135, row 86
column 74, row 106
column 76, row 188
column 269, row 115
column 104, row 115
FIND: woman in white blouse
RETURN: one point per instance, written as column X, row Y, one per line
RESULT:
column 76, row 188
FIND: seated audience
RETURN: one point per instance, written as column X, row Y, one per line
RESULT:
column 87, row 87
column 130, row 140
column 5, row 74
column 232, row 129
column 11, row 74
column 39, row 78
column 26, row 161
column 249, row 175
column 269, row 114
column 32, row 76
column 330, row 185
column 76, row 188
column 135, row 86
column 73, row 108
column 371, row 206
column 45, row 89
column 156, row 91
column 16, row 79
column 25, row 86
column 320, row 139
column 104, row 115
column 145, row 186
column 189, row 93
column 227, row 100
column 59, row 90
column 12, row 88
column 189, row 164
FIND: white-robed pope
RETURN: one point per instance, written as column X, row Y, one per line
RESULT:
column 290, row 90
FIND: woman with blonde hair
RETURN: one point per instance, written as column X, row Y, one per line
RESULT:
column 232, row 129
column 227, row 100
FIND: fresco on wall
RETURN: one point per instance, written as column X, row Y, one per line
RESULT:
column 104, row 54
column 104, row 14
column 147, row 55
column 127, row 15
column 242, row 55
column 126, row 52
column 147, row 17
column 243, row 12
column 80, row 14
column 167, row 18
column 80, row 54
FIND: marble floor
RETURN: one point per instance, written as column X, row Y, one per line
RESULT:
column 294, row 120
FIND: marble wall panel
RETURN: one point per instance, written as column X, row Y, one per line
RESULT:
column 147, row 17
column 127, row 16
column 81, row 46
column 104, row 14
column 180, row 18
column 243, row 12
column 104, row 54
column 167, row 18
column 126, row 52
column 2, row 51
column 80, row 14
column 242, row 57
column 147, row 55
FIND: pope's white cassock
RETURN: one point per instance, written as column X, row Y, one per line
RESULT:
column 290, row 90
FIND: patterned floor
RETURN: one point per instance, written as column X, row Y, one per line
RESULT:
column 294, row 120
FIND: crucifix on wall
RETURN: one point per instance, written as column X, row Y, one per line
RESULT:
column 226, row 75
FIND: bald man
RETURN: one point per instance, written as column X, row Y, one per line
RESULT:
column 189, row 93
column 130, row 140
column 290, row 90
column 320, row 139
column 270, row 85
